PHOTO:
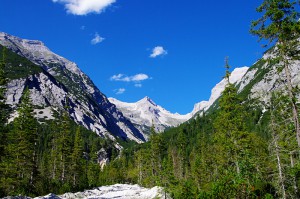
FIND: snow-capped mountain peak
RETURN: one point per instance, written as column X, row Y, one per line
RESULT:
column 145, row 113
column 146, row 101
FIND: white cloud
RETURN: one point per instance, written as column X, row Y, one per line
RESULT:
column 120, row 91
column 139, row 77
column 124, row 78
column 97, row 39
column 158, row 51
column 84, row 7
column 138, row 85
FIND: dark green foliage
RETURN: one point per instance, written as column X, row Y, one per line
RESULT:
column 240, row 148
column 36, row 163
column 20, row 161
column 4, row 114
column 280, row 23
column 18, row 67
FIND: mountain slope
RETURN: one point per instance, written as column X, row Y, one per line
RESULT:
column 235, row 78
column 145, row 113
column 263, row 78
column 59, row 79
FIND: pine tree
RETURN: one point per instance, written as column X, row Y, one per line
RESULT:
column 93, row 166
column 230, row 125
column 3, row 82
column 77, row 161
column 280, row 24
column 236, row 149
column 157, row 148
column 22, row 148
column 3, row 116
column 283, row 147
column 64, row 146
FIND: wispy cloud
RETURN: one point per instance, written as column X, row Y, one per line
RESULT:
column 84, row 7
column 158, row 51
column 82, row 28
column 97, row 39
column 138, row 85
column 124, row 78
column 120, row 91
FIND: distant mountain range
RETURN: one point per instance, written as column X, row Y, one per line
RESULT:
column 52, row 79
column 145, row 113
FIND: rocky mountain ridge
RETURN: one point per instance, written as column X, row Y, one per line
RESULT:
column 145, row 113
column 61, row 79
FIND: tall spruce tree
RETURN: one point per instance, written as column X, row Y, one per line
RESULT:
column 3, row 105
column 236, row 149
column 64, row 145
column 77, row 159
column 280, row 24
column 157, row 148
column 3, row 81
column 3, row 117
column 22, row 148
column 229, row 124
column 283, row 147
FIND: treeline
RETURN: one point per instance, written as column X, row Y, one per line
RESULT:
column 241, row 150
column 41, row 157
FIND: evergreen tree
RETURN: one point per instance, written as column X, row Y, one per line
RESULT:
column 3, row 106
column 3, row 115
column 77, row 161
column 64, row 146
column 280, row 24
column 229, row 124
column 22, row 148
column 236, row 149
column 283, row 147
column 157, row 148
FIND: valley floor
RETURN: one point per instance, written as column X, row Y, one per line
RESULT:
column 120, row 191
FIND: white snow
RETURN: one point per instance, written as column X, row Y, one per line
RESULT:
column 120, row 191
column 234, row 78
column 146, row 112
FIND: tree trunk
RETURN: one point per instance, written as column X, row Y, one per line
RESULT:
column 281, row 178
column 280, row 172
column 294, row 106
column 291, row 95
column 294, row 177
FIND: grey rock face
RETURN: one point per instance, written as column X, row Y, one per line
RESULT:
column 63, row 79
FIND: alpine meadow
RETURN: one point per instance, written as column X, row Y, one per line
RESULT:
column 61, row 135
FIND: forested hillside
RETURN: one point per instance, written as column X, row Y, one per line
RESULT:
column 39, row 156
column 245, row 146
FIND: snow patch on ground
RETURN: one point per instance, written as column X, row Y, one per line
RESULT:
column 120, row 191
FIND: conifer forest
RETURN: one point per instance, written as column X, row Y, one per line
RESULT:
column 241, row 147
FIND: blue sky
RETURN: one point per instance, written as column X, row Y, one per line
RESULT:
column 172, row 51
